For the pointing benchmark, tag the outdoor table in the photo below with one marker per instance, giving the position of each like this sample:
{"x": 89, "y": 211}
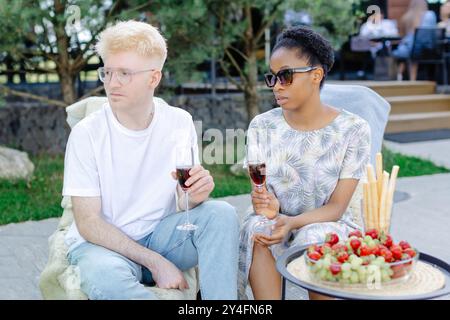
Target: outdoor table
{"x": 384, "y": 40}
{"x": 297, "y": 251}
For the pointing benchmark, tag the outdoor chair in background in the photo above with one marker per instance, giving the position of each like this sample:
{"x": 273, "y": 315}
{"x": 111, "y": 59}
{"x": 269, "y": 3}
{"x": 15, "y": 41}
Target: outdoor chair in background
{"x": 429, "y": 48}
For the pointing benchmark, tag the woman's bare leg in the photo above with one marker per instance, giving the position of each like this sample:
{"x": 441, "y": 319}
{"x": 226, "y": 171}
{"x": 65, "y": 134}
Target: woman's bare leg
{"x": 317, "y": 296}
{"x": 400, "y": 71}
{"x": 413, "y": 68}
{"x": 264, "y": 278}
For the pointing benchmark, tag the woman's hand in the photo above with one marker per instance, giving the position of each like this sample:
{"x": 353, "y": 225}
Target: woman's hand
{"x": 265, "y": 202}
{"x": 279, "y": 232}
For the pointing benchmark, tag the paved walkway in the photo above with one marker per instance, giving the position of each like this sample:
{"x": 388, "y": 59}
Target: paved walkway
{"x": 423, "y": 219}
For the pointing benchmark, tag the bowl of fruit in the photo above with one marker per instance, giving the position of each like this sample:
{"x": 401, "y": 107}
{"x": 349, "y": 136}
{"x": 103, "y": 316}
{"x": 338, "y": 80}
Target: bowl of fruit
{"x": 368, "y": 258}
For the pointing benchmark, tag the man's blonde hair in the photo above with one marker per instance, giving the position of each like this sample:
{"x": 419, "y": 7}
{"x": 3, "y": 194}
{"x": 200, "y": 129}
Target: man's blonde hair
{"x": 139, "y": 37}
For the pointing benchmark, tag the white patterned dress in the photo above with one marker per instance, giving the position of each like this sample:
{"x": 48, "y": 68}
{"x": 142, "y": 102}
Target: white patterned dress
{"x": 303, "y": 169}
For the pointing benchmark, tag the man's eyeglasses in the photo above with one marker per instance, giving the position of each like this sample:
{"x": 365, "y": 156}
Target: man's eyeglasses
{"x": 285, "y": 76}
{"x": 122, "y": 75}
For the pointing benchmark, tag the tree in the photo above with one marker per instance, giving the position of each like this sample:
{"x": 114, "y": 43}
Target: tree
{"x": 228, "y": 30}
{"x": 59, "y": 31}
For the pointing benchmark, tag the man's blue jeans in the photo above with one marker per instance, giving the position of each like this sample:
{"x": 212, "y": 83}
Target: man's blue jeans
{"x": 106, "y": 274}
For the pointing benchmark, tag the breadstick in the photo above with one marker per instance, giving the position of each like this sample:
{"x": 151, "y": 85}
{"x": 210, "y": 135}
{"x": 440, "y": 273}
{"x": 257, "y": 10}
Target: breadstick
{"x": 390, "y": 196}
{"x": 379, "y": 170}
{"x": 373, "y": 194}
{"x": 366, "y": 205}
{"x": 384, "y": 192}
{"x": 375, "y": 204}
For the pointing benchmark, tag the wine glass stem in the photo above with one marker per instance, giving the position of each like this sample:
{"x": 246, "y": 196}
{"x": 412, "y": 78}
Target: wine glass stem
{"x": 186, "y": 195}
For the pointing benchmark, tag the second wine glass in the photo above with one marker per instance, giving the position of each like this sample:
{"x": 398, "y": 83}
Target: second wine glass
{"x": 256, "y": 163}
{"x": 184, "y": 163}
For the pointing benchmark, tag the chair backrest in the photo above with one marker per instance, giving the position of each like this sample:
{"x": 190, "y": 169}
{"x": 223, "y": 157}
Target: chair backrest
{"x": 363, "y": 102}
{"x": 79, "y": 110}
{"x": 359, "y": 44}
{"x": 428, "y": 44}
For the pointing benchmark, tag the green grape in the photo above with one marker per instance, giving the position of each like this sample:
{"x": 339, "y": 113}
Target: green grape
{"x": 367, "y": 239}
{"x": 319, "y": 264}
{"x": 363, "y": 274}
{"x": 356, "y": 262}
{"x": 381, "y": 260}
{"x": 322, "y": 274}
{"x": 371, "y": 243}
{"x": 354, "y": 278}
{"x": 346, "y": 274}
{"x": 349, "y": 247}
{"x": 346, "y": 266}
{"x": 377, "y": 262}
{"x": 385, "y": 276}
{"x": 329, "y": 276}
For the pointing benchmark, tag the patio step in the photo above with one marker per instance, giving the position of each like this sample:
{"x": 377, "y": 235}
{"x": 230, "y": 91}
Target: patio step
{"x": 418, "y": 121}
{"x": 396, "y": 88}
{"x": 419, "y": 103}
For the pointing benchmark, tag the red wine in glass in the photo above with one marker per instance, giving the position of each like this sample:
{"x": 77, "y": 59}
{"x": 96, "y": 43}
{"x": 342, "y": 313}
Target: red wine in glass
{"x": 257, "y": 173}
{"x": 182, "y": 176}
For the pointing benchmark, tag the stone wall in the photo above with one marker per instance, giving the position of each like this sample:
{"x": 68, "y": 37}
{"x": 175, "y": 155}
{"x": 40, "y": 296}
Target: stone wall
{"x": 35, "y": 128}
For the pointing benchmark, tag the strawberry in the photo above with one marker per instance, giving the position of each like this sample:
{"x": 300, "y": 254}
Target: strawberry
{"x": 373, "y": 233}
{"x": 397, "y": 252}
{"x": 387, "y": 241}
{"x": 364, "y": 250}
{"x": 342, "y": 256}
{"x": 314, "y": 248}
{"x": 335, "y": 268}
{"x": 314, "y": 255}
{"x": 332, "y": 238}
{"x": 387, "y": 255}
{"x": 377, "y": 249}
{"x": 405, "y": 256}
{"x": 380, "y": 249}
{"x": 404, "y": 245}
{"x": 355, "y": 244}
{"x": 410, "y": 251}
{"x": 355, "y": 233}
{"x": 339, "y": 248}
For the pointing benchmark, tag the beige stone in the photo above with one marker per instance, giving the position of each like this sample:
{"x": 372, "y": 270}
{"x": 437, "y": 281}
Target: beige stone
{"x": 15, "y": 164}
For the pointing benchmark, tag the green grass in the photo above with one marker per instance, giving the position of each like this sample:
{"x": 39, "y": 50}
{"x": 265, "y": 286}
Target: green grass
{"x": 410, "y": 166}
{"x": 40, "y": 198}
{"x": 227, "y": 184}
{"x": 36, "y": 199}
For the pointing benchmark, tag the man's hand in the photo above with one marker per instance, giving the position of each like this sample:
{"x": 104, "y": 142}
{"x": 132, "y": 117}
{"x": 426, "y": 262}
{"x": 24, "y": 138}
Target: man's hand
{"x": 167, "y": 275}
{"x": 200, "y": 184}
{"x": 265, "y": 202}
{"x": 280, "y": 231}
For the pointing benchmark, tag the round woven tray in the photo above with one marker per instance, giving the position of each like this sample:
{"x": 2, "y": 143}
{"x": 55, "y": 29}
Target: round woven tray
{"x": 423, "y": 279}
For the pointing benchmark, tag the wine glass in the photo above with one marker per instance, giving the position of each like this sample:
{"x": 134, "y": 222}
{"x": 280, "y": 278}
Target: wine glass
{"x": 184, "y": 161}
{"x": 256, "y": 163}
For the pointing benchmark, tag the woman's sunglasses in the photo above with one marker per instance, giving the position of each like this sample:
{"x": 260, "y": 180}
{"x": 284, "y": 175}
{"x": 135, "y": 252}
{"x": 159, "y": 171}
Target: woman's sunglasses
{"x": 285, "y": 76}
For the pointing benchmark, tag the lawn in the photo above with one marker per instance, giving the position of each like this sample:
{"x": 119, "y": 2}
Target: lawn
{"x": 40, "y": 197}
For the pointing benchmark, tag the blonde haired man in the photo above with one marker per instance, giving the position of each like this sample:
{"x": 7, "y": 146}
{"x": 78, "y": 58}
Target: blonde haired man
{"x": 119, "y": 173}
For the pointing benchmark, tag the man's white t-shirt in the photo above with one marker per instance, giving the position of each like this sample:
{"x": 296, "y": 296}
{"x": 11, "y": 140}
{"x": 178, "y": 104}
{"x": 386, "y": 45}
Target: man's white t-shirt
{"x": 130, "y": 170}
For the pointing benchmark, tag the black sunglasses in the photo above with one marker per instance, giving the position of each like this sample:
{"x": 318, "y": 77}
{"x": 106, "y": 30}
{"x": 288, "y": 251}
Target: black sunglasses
{"x": 285, "y": 76}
